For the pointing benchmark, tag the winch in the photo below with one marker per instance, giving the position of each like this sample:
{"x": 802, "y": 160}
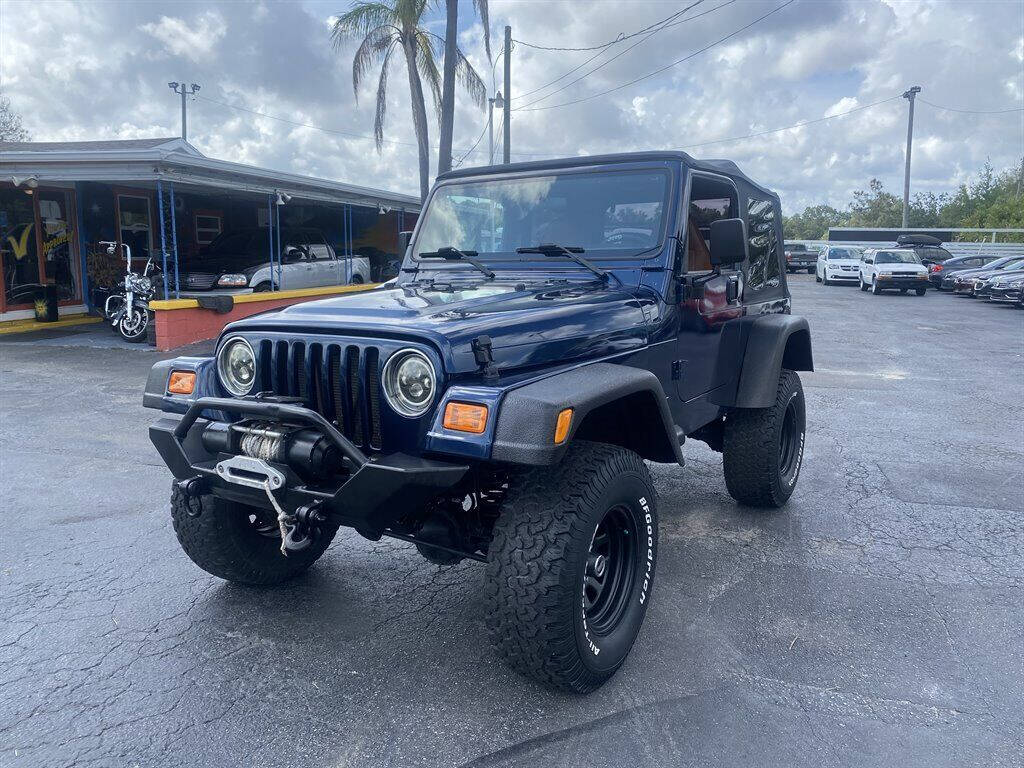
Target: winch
{"x": 304, "y": 449}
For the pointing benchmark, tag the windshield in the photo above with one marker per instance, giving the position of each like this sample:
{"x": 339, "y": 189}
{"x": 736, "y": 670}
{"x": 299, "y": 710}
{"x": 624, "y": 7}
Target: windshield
{"x": 1013, "y": 264}
{"x": 896, "y": 257}
{"x": 835, "y": 254}
{"x": 610, "y": 214}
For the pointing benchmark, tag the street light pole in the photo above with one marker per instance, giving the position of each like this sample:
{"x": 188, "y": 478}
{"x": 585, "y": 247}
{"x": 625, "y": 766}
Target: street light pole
{"x": 190, "y": 89}
{"x": 498, "y": 102}
{"x": 508, "y": 95}
{"x": 909, "y": 96}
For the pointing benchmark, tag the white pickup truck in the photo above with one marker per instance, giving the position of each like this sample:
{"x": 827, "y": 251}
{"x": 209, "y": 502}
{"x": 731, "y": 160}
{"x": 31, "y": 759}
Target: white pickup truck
{"x": 238, "y": 262}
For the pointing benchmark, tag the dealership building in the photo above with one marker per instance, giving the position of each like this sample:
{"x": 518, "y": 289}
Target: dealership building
{"x": 166, "y": 201}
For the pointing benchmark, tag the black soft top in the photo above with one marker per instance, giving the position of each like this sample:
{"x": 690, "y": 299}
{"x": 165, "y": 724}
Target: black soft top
{"x": 723, "y": 167}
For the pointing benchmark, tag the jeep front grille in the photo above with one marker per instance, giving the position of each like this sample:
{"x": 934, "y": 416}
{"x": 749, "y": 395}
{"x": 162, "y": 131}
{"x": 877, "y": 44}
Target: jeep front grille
{"x": 339, "y": 381}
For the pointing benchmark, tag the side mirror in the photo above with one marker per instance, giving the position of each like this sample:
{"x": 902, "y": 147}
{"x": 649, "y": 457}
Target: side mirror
{"x": 403, "y": 243}
{"x": 728, "y": 242}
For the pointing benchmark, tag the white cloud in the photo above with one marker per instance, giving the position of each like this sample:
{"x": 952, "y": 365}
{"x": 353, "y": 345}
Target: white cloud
{"x": 195, "y": 40}
{"x": 106, "y": 66}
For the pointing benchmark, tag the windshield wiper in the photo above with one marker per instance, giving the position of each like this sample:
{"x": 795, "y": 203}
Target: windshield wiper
{"x": 554, "y": 249}
{"x": 449, "y": 253}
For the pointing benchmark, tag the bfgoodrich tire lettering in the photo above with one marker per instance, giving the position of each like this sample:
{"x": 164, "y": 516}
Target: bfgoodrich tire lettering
{"x": 541, "y": 556}
{"x": 762, "y": 448}
{"x": 222, "y": 538}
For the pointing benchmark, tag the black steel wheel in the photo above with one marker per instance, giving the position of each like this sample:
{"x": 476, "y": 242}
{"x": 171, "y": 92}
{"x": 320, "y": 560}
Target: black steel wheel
{"x": 763, "y": 448}
{"x": 571, "y": 566}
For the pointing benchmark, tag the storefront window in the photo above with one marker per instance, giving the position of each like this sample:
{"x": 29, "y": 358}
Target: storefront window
{"x": 18, "y": 250}
{"x": 135, "y": 224}
{"x": 57, "y": 233}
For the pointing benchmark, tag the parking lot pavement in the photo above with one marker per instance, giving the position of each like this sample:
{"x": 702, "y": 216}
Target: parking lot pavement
{"x": 876, "y": 620}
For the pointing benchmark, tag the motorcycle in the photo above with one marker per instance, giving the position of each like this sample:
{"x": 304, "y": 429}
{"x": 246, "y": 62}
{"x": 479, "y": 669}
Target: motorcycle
{"x": 127, "y": 310}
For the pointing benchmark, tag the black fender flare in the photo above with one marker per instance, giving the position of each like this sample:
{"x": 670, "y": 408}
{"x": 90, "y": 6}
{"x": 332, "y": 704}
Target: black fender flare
{"x": 756, "y": 349}
{"x": 601, "y": 395}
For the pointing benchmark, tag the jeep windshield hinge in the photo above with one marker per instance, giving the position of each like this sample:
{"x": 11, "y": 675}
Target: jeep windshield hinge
{"x": 484, "y": 356}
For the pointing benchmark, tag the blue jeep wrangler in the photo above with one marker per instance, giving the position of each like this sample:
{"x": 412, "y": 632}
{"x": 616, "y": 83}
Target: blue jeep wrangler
{"x": 554, "y": 325}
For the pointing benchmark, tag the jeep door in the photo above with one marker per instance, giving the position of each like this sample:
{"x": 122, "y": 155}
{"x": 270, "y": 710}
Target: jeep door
{"x": 708, "y": 197}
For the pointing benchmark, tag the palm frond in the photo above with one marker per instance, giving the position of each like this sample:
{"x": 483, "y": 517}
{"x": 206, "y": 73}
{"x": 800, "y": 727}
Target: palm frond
{"x": 481, "y": 9}
{"x": 377, "y": 41}
{"x": 360, "y": 19}
{"x": 382, "y": 96}
{"x": 426, "y": 63}
{"x": 470, "y": 80}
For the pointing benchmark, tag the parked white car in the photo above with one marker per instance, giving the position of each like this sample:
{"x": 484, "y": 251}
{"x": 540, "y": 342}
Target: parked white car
{"x": 838, "y": 264}
{"x": 884, "y": 269}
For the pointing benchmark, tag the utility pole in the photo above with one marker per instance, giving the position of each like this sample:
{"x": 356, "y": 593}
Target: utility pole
{"x": 498, "y": 102}
{"x": 190, "y": 89}
{"x": 508, "y": 94}
{"x": 909, "y": 96}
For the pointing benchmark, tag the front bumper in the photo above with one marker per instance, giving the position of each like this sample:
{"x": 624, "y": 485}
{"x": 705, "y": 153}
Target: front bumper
{"x": 370, "y": 494}
{"x": 1006, "y": 295}
{"x": 901, "y": 282}
{"x": 843, "y": 275}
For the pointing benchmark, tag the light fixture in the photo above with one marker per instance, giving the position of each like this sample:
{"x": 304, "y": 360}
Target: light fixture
{"x": 499, "y": 101}
{"x": 382, "y": 209}
{"x": 282, "y": 197}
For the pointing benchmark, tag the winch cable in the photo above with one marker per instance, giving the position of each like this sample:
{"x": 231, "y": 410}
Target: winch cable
{"x": 283, "y": 519}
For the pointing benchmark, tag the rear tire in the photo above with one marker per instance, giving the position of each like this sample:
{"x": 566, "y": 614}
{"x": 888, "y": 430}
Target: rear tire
{"x": 571, "y": 565}
{"x": 920, "y": 291}
{"x": 763, "y": 448}
{"x": 223, "y": 539}
{"x": 810, "y": 270}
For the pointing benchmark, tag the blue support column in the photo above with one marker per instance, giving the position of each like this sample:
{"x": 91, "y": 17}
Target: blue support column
{"x": 81, "y": 238}
{"x": 174, "y": 240}
{"x": 277, "y": 226}
{"x": 270, "y": 237}
{"x": 163, "y": 231}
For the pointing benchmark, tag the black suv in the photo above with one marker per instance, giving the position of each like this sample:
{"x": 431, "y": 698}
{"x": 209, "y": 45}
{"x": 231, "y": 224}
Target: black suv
{"x": 553, "y": 325}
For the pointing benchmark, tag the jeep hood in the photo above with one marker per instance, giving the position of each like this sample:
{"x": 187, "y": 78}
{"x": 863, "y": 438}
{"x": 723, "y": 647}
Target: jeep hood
{"x": 534, "y": 324}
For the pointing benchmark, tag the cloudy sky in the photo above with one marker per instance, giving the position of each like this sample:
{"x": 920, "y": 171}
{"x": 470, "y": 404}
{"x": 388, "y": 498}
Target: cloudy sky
{"x": 89, "y": 70}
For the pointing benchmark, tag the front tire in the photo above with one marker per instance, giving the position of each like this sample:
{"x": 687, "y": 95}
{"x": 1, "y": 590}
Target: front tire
{"x": 763, "y": 448}
{"x": 571, "y": 566}
{"x": 863, "y": 285}
{"x": 810, "y": 270}
{"x": 133, "y": 326}
{"x": 875, "y": 290}
{"x": 237, "y": 542}
{"x": 920, "y": 291}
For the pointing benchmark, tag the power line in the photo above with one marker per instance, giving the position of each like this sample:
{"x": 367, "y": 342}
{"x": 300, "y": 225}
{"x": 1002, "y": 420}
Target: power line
{"x": 619, "y": 55}
{"x": 605, "y": 50}
{"x": 618, "y": 39}
{"x": 973, "y": 111}
{"x": 661, "y": 69}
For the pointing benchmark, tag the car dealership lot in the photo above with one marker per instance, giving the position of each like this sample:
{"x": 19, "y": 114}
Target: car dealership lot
{"x": 876, "y": 619}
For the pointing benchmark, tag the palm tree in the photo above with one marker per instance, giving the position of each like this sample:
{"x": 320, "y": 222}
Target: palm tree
{"x": 452, "y": 59}
{"x": 389, "y": 25}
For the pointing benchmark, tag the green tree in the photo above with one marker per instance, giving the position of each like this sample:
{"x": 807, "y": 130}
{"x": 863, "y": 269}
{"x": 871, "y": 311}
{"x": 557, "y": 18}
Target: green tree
{"x": 11, "y": 128}
{"x": 875, "y": 207}
{"x": 813, "y": 222}
{"x": 455, "y": 63}
{"x": 385, "y": 27}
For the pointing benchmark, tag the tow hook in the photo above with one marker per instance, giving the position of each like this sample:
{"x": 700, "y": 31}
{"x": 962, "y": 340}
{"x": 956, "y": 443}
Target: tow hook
{"x": 192, "y": 488}
{"x": 303, "y": 528}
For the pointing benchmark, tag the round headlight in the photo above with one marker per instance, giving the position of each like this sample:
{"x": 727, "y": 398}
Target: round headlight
{"x": 236, "y": 365}
{"x": 409, "y": 382}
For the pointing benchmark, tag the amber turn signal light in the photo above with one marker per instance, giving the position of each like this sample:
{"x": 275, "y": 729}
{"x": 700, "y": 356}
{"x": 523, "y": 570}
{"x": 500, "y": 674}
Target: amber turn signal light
{"x": 465, "y": 417}
{"x": 182, "y": 382}
{"x": 562, "y": 425}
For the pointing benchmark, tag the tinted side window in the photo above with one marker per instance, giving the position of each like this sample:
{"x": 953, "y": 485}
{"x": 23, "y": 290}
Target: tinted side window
{"x": 318, "y": 246}
{"x": 762, "y": 244}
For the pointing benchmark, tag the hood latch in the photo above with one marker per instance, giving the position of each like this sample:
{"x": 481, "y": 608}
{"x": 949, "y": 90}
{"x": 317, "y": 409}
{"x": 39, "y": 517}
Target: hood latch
{"x": 484, "y": 357}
